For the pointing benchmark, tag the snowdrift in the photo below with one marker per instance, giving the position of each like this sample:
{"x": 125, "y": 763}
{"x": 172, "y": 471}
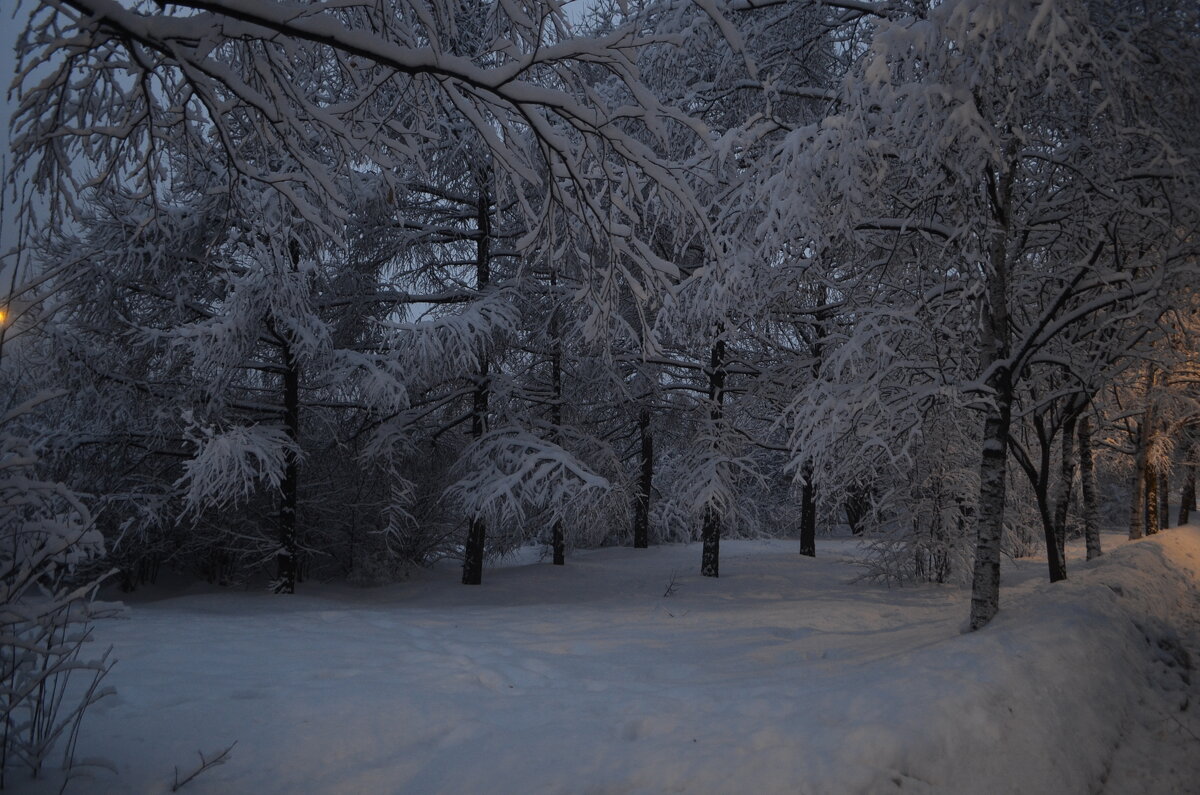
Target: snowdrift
{"x": 1034, "y": 703}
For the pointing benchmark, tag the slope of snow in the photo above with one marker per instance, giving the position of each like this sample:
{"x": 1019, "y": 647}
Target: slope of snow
{"x": 781, "y": 676}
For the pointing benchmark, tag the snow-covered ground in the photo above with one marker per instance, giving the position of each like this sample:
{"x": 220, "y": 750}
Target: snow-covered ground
{"x": 781, "y": 676}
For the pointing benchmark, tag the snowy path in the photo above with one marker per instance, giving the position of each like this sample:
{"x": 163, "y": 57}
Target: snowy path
{"x": 780, "y": 677}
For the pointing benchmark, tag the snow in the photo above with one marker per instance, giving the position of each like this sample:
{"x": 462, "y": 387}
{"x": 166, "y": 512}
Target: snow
{"x": 784, "y": 675}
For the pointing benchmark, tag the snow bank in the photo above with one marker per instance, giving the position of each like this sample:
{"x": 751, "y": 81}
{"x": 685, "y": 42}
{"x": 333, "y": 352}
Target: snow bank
{"x": 1033, "y": 703}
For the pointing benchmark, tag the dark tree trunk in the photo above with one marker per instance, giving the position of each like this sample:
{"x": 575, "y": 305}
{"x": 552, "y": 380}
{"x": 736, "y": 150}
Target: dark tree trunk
{"x": 1062, "y": 502}
{"x": 710, "y": 531}
{"x": 641, "y": 516}
{"x": 1137, "y": 489}
{"x": 1040, "y": 476}
{"x": 1188, "y": 495}
{"x": 558, "y": 539}
{"x": 287, "y": 559}
{"x": 559, "y": 543}
{"x": 856, "y": 506}
{"x": 808, "y": 512}
{"x": 964, "y": 519}
{"x": 1055, "y": 561}
{"x": 710, "y": 536}
{"x": 1137, "y": 508}
{"x": 808, "y": 492}
{"x": 477, "y": 531}
{"x": 1152, "y": 503}
{"x": 1164, "y": 491}
{"x": 473, "y": 553}
{"x": 1087, "y": 478}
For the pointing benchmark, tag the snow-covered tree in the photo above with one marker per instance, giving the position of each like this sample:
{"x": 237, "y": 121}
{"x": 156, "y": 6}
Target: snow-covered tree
{"x": 992, "y": 141}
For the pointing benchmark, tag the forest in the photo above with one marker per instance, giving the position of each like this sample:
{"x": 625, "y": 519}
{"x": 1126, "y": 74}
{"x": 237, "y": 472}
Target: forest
{"x": 301, "y": 292}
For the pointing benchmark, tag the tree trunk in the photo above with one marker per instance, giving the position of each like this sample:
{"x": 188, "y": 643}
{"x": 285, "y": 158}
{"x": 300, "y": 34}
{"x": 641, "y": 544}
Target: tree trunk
{"x": 1164, "y": 491}
{"x": 964, "y": 520}
{"x": 286, "y": 558}
{"x": 1187, "y": 497}
{"x": 710, "y": 532}
{"x": 1062, "y": 501}
{"x": 995, "y": 348}
{"x": 1152, "y": 501}
{"x": 559, "y": 543}
{"x": 558, "y": 540}
{"x": 641, "y": 517}
{"x": 1137, "y": 508}
{"x": 1055, "y": 559}
{"x": 856, "y": 505}
{"x": 710, "y": 537}
{"x": 1087, "y": 477}
{"x": 477, "y": 531}
{"x": 808, "y": 492}
{"x": 808, "y": 512}
{"x": 473, "y": 553}
{"x": 993, "y": 476}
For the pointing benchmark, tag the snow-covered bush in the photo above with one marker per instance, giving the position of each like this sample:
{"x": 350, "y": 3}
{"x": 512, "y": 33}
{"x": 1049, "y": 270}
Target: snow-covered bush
{"x": 48, "y": 548}
{"x": 929, "y": 533}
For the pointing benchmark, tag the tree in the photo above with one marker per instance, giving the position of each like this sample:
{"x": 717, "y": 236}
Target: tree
{"x": 309, "y": 106}
{"x": 324, "y": 86}
{"x": 1030, "y": 195}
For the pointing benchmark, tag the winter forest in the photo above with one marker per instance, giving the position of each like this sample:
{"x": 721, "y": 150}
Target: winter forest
{"x": 755, "y": 313}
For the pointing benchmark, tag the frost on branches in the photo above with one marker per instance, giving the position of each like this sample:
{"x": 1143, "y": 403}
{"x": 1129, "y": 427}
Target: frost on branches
{"x": 409, "y": 280}
{"x": 49, "y": 549}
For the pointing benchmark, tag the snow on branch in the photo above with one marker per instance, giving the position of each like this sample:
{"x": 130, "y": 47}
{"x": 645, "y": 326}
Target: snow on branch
{"x": 230, "y": 464}
{"x": 339, "y": 88}
{"x": 455, "y": 341}
{"x": 510, "y": 470}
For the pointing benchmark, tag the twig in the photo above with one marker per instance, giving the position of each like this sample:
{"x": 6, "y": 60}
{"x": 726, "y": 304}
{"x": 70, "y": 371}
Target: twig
{"x": 672, "y": 585}
{"x": 1181, "y": 724}
{"x": 205, "y": 764}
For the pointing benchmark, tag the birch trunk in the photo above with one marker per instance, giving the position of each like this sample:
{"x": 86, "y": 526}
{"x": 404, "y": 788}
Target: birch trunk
{"x": 995, "y": 348}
